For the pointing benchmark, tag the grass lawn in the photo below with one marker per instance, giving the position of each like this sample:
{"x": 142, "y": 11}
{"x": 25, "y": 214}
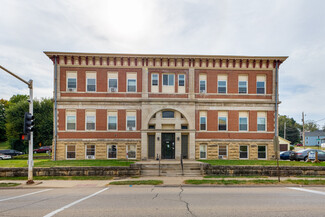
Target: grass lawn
{"x": 254, "y": 182}
{"x": 8, "y": 184}
{"x": 59, "y": 178}
{"x": 4, "y": 145}
{"x": 259, "y": 163}
{"x": 65, "y": 163}
{"x": 138, "y": 182}
{"x": 221, "y": 177}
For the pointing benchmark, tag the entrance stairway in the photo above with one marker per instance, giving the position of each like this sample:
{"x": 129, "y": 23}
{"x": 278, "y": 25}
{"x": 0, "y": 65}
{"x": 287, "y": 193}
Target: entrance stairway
{"x": 171, "y": 168}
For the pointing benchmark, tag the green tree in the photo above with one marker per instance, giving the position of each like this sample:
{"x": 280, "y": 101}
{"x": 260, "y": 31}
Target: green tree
{"x": 3, "y": 107}
{"x": 292, "y": 129}
{"x": 311, "y": 126}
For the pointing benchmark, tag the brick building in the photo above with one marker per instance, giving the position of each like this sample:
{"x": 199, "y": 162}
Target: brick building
{"x": 136, "y": 106}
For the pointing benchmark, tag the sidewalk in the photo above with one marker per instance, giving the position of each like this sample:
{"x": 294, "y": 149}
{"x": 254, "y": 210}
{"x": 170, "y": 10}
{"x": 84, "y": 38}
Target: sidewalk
{"x": 167, "y": 181}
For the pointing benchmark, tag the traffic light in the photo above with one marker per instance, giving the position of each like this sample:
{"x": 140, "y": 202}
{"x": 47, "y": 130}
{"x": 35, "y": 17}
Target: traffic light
{"x": 28, "y": 123}
{"x": 24, "y": 137}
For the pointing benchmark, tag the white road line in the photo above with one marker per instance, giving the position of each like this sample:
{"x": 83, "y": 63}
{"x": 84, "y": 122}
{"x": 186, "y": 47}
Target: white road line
{"x": 24, "y": 195}
{"x": 307, "y": 190}
{"x": 74, "y": 203}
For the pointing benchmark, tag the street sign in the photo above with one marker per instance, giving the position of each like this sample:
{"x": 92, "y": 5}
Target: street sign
{"x": 312, "y": 155}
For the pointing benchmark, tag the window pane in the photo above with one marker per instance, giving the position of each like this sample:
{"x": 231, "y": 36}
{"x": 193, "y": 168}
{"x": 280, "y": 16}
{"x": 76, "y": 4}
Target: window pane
{"x": 131, "y": 85}
{"x": 260, "y": 124}
{"x": 222, "y": 87}
{"x": 131, "y": 151}
{"x": 171, "y": 80}
{"x": 223, "y": 150}
{"x": 243, "y": 151}
{"x": 71, "y": 122}
{"x": 155, "y": 79}
{"x": 72, "y": 83}
{"x": 203, "y": 149}
{"x": 202, "y": 86}
{"x": 112, "y": 122}
{"x": 243, "y": 123}
{"x": 181, "y": 80}
{"x": 168, "y": 114}
{"x": 262, "y": 152}
{"x": 165, "y": 79}
{"x": 260, "y": 87}
{"x": 242, "y": 87}
{"x": 112, "y": 150}
{"x": 91, "y": 84}
{"x": 222, "y": 123}
{"x": 112, "y": 82}
{"x": 90, "y": 150}
{"x": 71, "y": 151}
{"x": 90, "y": 122}
{"x": 131, "y": 123}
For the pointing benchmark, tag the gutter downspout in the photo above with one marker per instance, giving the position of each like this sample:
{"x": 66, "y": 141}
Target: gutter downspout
{"x": 276, "y": 119}
{"x": 55, "y": 106}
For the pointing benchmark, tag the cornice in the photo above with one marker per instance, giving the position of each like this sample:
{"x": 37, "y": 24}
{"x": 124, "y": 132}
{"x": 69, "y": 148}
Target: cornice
{"x": 164, "y": 60}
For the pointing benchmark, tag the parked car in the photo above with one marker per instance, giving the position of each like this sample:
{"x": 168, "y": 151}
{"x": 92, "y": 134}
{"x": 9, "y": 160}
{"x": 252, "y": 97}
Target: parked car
{"x": 303, "y": 155}
{"x": 285, "y": 155}
{"x": 299, "y": 145}
{"x": 4, "y": 157}
{"x": 44, "y": 149}
{"x": 11, "y": 152}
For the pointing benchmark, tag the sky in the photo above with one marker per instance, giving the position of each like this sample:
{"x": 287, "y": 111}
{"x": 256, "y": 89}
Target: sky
{"x": 294, "y": 28}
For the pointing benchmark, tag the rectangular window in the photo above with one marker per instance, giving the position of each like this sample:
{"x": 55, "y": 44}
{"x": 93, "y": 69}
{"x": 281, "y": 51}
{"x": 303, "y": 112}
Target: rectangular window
{"x": 112, "y": 121}
{"x": 243, "y": 124}
{"x": 168, "y": 79}
{"x": 70, "y": 120}
{"x": 202, "y": 123}
{"x": 223, "y": 152}
{"x": 91, "y": 82}
{"x": 90, "y": 120}
{"x": 111, "y": 151}
{"x": 222, "y": 86}
{"x": 151, "y": 127}
{"x": 131, "y": 121}
{"x": 203, "y": 151}
{"x": 72, "y": 81}
{"x": 184, "y": 127}
{"x": 242, "y": 86}
{"x": 181, "y": 80}
{"x": 260, "y": 84}
{"x": 71, "y": 152}
{"x": 131, "y": 151}
{"x": 261, "y": 121}
{"x": 202, "y": 86}
{"x": 132, "y": 87}
{"x": 112, "y": 85}
{"x": 261, "y": 152}
{"x": 154, "y": 79}
{"x": 168, "y": 114}
{"x": 90, "y": 151}
{"x": 243, "y": 152}
{"x": 222, "y": 123}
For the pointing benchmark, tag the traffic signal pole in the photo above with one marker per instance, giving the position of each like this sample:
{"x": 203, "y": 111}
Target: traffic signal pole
{"x": 30, "y": 150}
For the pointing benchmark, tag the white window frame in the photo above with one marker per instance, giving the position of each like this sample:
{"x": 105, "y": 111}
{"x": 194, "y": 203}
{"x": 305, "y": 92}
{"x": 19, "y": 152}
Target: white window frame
{"x": 247, "y": 153}
{"x": 222, "y": 155}
{"x": 108, "y": 121}
{"x": 226, "y": 123}
{"x": 108, "y": 150}
{"x": 72, "y": 75}
{"x": 86, "y": 121}
{"x": 226, "y": 87}
{"x": 206, "y": 151}
{"x": 135, "y": 127}
{"x": 153, "y": 79}
{"x": 205, "y": 86}
{"x": 205, "y": 123}
{"x": 180, "y": 79}
{"x": 90, "y": 91}
{"x": 127, "y": 85}
{"x": 109, "y": 88}
{"x": 66, "y": 152}
{"x": 127, "y": 151}
{"x": 246, "y": 124}
{"x": 265, "y": 153}
{"x": 168, "y": 74}
{"x": 66, "y": 121}
{"x": 246, "y": 87}
{"x": 90, "y": 155}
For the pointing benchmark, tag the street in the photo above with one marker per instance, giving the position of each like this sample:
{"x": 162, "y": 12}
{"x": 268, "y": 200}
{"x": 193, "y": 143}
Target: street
{"x": 163, "y": 201}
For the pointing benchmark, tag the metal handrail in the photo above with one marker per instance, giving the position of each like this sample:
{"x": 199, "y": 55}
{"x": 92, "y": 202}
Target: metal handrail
{"x": 159, "y": 164}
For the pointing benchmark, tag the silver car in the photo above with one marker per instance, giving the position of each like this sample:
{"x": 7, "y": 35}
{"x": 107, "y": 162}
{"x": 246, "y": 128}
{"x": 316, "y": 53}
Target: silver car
{"x": 4, "y": 157}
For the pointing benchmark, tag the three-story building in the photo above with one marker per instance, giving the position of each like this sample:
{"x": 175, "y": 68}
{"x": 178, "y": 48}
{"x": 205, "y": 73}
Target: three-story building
{"x": 137, "y": 106}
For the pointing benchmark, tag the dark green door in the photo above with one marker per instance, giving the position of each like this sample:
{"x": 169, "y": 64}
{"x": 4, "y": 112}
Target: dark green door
{"x": 168, "y": 145}
{"x": 151, "y": 146}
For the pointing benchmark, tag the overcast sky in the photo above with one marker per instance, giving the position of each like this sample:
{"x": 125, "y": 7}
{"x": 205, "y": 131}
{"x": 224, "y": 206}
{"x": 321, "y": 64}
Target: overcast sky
{"x": 280, "y": 28}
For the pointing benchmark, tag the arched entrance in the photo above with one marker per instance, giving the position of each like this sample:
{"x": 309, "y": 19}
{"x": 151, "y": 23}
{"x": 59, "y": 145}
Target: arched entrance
{"x": 168, "y": 135}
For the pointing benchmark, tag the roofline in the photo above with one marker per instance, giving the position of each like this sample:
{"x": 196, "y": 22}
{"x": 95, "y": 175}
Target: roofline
{"x": 55, "y": 53}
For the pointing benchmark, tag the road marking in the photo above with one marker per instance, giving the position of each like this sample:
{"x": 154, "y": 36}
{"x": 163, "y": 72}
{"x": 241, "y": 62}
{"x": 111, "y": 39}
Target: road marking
{"x": 307, "y": 190}
{"x": 24, "y": 195}
{"x": 74, "y": 203}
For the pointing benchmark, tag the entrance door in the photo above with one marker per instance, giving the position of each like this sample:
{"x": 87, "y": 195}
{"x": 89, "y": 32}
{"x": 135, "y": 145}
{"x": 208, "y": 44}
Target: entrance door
{"x": 168, "y": 145}
{"x": 185, "y": 146}
{"x": 151, "y": 146}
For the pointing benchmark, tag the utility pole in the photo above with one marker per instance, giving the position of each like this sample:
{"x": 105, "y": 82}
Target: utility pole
{"x": 30, "y": 150}
{"x": 303, "y": 129}
{"x": 276, "y": 132}
{"x": 285, "y": 130}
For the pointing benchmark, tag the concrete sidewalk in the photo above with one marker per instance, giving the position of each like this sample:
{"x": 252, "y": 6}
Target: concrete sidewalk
{"x": 167, "y": 181}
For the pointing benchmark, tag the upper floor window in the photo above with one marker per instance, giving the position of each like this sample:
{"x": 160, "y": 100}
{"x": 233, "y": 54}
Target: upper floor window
{"x": 132, "y": 82}
{"x": 260, "y": 84}
{"x": 181, "y": 80}
{"x": 130, "y": 121}
{"x": 168, "y": 79}
{"x": 202, "y": 82}
{"x": 222, "y": 121}
{"x": 91, "y": 82}
{"x": 90, "y": 120}
{"x": 168, "y": 114}
{"x": 222, "y": 83}
{"x": 154, "y": 79}
{"x": 242, "y": 84}
{"x": 72, "y": 81}
{"x": 203, "y": 123}
{"x": 112, "y": 82}
{"x": 112, "y": 120}
{"x": 71, "y": 120}
{"x": 261, "y": 121}
{"x": 243, "y": 121}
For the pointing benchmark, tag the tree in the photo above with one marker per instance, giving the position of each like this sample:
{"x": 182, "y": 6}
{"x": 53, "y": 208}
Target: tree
{"x": 3, "y": 107}
{"x": 311, "y": 126}
{"x": 292, "y": 129}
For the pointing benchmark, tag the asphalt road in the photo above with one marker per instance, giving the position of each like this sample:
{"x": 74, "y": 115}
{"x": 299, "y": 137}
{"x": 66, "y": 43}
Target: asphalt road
{"x": 163, "y": 201}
